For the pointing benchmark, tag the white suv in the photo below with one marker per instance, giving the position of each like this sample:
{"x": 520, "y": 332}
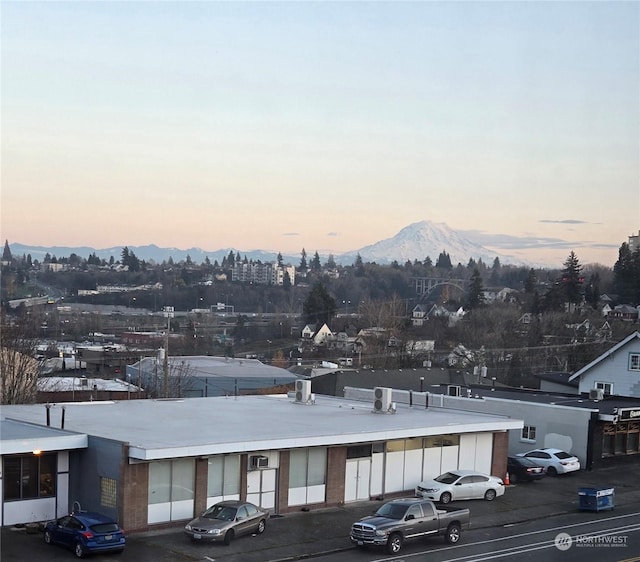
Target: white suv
{"x": 556, "y": 461}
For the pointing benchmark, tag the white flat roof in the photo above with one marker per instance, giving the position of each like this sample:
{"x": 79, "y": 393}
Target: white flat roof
{"x": 20, "y": 437}
{"x": 160, "y": 429}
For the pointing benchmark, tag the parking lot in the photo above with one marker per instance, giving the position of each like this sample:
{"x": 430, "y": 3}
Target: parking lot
{"x": 304, "y": 534}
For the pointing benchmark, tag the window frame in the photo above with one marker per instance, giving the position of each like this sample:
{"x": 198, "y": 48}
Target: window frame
{"x": 606, "y": 387}
{"x": 32, "y": 488}
{"x": 528, "y": 433}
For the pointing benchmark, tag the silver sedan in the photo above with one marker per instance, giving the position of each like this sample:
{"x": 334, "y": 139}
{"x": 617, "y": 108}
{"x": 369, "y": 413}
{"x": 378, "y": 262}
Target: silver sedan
{"x": 226, "y": 520}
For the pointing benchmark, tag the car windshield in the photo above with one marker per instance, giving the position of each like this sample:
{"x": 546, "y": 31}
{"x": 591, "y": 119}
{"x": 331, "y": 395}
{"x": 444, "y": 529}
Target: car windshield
{"x": 563, "y": 455}
{"x": 222, "y": 512}
{"x": 447, "y": 478}
{"x": 392, "y": 511}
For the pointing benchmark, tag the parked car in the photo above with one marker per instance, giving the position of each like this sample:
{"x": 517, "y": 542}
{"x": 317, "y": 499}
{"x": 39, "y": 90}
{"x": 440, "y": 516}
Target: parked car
{"x": 523, "y": 469}
{"x": 85, "y": 532}
{"x": 555, "y": 461}
{"x": 461, "y": 485}
{"x": 226, "y": 520}
{"x": 402, "y": 519}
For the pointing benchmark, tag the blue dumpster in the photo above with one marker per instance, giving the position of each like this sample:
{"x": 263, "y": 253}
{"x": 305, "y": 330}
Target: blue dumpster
{"x": 597, "y": 498}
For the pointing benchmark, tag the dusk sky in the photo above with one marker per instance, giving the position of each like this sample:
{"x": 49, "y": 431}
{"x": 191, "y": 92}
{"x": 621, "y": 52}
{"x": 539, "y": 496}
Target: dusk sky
{"x": 321, "y": 125}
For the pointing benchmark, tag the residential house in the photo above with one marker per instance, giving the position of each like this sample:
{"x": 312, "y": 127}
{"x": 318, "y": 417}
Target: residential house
{"x": 625, "y": 312}
{"x": 615, "y": 372}
{"x": 419, "y": 315}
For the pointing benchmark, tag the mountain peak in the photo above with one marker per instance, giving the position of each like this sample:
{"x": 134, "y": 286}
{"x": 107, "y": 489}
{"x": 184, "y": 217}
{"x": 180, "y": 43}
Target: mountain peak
{"x": 424, "y": 239}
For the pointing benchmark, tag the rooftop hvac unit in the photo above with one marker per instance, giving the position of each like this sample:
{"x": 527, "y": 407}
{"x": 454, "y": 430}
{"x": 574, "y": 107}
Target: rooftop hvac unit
{"x": 596, "y": 394}
{"x": 303, "y": 391}
{"x": 259, "y": 461}
{"x": 453, "y": 390}
{"x": 381, "y": 399}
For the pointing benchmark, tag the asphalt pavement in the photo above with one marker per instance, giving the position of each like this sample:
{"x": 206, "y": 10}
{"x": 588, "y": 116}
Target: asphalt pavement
{"x": 305, "y": 534}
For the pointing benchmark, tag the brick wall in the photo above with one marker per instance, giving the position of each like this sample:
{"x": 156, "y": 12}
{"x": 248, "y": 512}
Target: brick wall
{"x": 133, "y": 494}
{"x": 336, "y": 468}
{"x": 500, "y": 453}
{"x": 283, "y": 483}
{"x": 201, "y": 485}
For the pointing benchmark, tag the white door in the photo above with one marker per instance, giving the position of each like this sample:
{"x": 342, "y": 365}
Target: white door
{"x": 261, "y": 488}
{"x": 357, "y": 479}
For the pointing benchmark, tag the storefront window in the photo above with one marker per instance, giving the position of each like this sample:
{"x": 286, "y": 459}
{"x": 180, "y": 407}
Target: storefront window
{"x": 29, "y": 476}
{"x": 224, "y": 476}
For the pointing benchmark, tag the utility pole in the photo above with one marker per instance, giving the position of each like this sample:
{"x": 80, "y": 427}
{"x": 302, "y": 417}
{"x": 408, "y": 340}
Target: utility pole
{"x": 168, "y": 311}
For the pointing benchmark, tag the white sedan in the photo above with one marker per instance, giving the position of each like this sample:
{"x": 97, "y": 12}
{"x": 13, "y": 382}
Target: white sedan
{"x": 461, "y": 485}
{"x": 556, "y": 461}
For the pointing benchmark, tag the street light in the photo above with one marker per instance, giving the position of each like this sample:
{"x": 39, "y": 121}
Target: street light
{"x": 346, "y": 304}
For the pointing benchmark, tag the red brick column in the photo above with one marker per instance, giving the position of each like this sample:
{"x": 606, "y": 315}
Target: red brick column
{"x": 133, "y": 494}
{"x": 336, "y": 470}
{"x": 500, "y": 453}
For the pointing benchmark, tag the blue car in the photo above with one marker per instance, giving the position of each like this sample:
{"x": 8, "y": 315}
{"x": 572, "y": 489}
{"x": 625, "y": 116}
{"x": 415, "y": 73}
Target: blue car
{"x": 85, "y": 532}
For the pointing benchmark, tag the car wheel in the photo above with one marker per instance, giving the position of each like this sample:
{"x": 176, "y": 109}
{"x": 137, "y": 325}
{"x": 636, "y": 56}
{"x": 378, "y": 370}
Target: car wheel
{"x": 452, "y": 536}
{"x": 394, "y": 544}
{"x": 551, "y": 471}
{"x": 513, "y": 478}
{"x": 79, "y": 550}
{"x": 228, "y": 537}
{"x": 48, "y": 538}
{"x": 490, "y": 495}
{"x": 261, "y": 526}
{"x": 445, "y": 497}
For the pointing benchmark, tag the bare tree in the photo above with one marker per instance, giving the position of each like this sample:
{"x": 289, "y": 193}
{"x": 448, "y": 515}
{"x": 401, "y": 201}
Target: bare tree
{"x": 179, "y": 379}
{"x": 383, "y": 320}
{"x": 19, "y": 367}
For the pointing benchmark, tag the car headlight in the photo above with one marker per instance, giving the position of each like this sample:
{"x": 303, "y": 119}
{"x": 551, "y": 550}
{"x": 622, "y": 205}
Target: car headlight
{"x": 381, "y": 533}
{"x": 187, "y": 527}
{"x": 214, "y": 531}
{"x": 431, "y": 490}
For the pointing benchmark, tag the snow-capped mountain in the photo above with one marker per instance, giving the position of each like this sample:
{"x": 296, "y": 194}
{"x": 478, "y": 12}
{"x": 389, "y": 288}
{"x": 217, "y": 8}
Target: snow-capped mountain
{"x": 415, "y": 242}
{"x": 426, "y": 239}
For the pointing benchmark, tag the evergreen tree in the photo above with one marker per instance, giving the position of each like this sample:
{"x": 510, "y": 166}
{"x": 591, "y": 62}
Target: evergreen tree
{"x": 303, "y": 261}
{"x": 626, "y": 275}
{"x": 280, "y": 261}
{"x": 530, "y": 282}
{"x": 6, "y": 253}
{"x": 572, "y": 279}
{"x": 316, "y": 266}
{"x": 444, "y": 261}
{"x": 319, "y": 307}
{"x": 475, "y": 297}
{"x": 130, "y": 260}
